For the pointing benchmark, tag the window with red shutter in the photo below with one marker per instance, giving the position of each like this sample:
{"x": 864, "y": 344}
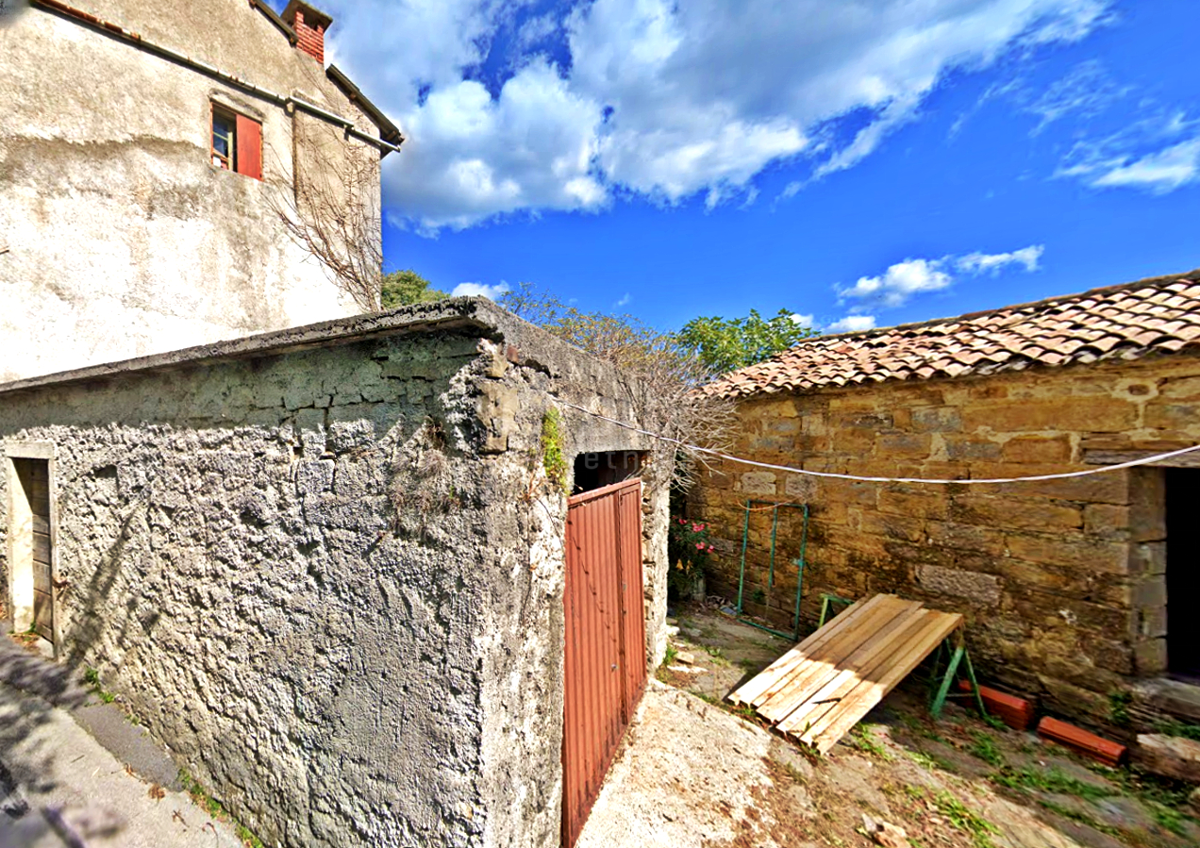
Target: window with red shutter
{"x": 236, "y": 143}
{"x": 249, "y": 147}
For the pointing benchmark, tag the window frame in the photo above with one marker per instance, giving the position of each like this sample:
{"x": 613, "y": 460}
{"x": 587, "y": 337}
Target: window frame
{"x": 216, "y": 159}
{"x": 244, "y": 131}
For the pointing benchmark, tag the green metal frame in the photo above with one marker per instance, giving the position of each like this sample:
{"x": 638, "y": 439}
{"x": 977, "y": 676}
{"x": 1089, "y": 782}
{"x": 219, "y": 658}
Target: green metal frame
{"x": 799, "y": 563}
{"x": 940, "y": 692}
{"x": 827, "y": 602}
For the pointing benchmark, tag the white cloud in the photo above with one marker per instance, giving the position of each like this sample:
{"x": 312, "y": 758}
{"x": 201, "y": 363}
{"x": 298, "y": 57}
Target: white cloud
{"x": 852, "y": 324}
{"x": 1158, "y": 153}
{"x": 900, "y": 282}
{"x": 660, "y": 98}
{"x": 480, "y": 290}
{"x": 1159, "y": 172}
{"x": 803, "y": 320}
{"x": 624, "y": 301}
{"x": 979, "y": 263}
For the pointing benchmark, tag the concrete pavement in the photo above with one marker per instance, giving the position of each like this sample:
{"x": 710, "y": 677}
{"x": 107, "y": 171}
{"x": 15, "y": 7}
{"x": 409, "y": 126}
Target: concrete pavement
{"x": 59, "y": 786}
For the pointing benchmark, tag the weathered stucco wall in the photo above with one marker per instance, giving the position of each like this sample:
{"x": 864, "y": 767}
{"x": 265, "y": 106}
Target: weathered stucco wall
{"x": 1062, "y": 581}
{"x": 122, "y": 238}
{"x": 330, "y": 579}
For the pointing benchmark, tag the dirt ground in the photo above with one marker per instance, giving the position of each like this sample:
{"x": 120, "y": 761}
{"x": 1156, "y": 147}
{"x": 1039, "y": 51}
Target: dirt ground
{"x": 694, "y": 772}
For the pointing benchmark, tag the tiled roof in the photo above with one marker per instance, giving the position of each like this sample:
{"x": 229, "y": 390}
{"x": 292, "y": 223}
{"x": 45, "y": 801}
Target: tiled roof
{"x": 1160, "y": 315}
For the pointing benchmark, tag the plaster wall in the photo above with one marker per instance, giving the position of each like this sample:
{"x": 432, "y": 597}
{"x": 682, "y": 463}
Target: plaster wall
{"x": 1062, "y": 582}
{"x": 118, "y": 237}
{"x": 330, "y": 579}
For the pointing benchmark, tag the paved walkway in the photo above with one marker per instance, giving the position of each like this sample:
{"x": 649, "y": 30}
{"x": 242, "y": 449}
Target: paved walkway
{"x": 59, "y": 785}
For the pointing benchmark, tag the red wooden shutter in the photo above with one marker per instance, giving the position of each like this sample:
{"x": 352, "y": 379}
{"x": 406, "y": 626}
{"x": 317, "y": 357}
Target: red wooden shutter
{"x": 249, "y": 147}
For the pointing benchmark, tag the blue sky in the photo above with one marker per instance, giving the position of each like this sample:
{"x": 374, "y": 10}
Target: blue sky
{"x": 857, "y": 163}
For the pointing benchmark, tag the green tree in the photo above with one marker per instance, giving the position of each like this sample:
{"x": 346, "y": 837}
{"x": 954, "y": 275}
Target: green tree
{"x": 402, "y": 288}
{"x": 727, "y": 344}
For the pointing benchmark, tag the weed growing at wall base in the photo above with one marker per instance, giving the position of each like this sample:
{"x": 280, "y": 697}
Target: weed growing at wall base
{"x": 216, "y": 810}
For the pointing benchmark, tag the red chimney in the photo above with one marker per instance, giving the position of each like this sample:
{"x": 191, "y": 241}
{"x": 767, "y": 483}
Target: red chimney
{"x": 310, "y": 25}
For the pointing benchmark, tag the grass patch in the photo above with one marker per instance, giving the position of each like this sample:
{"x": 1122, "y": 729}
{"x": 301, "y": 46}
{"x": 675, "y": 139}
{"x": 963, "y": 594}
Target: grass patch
{"x": 926, "y": 761}
{"x": 1050, "y": 780}
{"x": 216, "y": 810}
{"x": 1168, "y": 818}
{"x": 1077, "y": 816}
{"x": 993, "y": 722}
{"x": 861, "y": 738}
{"x": 961, "y": 817}
{"x": 1179, "y": 728}
{"x": 984, "y": 747}
{"x": 92, "y": 678}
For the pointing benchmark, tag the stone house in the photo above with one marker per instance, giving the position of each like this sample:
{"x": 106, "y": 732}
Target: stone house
{"x": 1067, "y": 583}
{"x": 146, "y": 153}
{"x": 325, "y": 565}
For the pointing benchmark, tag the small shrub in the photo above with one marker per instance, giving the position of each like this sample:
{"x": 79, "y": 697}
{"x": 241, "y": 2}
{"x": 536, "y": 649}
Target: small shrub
{"x": 688, "y": 550}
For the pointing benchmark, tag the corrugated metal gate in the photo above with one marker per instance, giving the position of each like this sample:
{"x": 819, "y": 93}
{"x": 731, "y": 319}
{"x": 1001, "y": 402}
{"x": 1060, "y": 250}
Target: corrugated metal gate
{"x": 605, "y": 657}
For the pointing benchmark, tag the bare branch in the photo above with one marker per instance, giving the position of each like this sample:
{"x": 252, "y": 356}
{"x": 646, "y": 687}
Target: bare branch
{"x": 331, "y": 207}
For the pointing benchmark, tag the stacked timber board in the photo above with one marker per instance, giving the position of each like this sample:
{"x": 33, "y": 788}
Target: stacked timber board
{"x": 821, "y": 688}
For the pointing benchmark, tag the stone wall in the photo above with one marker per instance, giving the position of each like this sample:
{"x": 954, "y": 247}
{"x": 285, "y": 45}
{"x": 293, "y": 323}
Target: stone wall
{"x": 1062, "y": 582}
{"x": 326, "y": 567}
{"x": 118, "y": 237}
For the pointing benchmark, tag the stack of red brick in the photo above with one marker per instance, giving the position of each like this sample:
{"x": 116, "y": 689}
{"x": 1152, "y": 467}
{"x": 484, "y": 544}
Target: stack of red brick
{"x": 1017, "y": 713}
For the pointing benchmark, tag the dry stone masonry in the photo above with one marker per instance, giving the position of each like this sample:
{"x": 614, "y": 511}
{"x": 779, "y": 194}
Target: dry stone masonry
{"x": 1063, "y": 582}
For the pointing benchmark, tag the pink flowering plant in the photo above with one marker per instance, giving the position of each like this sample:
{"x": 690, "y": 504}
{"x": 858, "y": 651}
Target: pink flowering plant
{"x": 689, "y": 550}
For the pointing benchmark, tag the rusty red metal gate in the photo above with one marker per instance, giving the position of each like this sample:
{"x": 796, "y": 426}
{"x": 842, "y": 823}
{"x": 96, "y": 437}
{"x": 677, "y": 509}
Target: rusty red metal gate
{"x": 605, "y": 656}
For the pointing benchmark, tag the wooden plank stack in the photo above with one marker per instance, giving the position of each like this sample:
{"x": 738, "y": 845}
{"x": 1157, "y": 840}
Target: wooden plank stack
{"x": 824, "y": 686}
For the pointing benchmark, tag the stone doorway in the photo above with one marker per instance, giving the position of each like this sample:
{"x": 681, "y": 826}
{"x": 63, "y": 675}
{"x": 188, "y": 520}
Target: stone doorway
{"x": 31, "y": 524}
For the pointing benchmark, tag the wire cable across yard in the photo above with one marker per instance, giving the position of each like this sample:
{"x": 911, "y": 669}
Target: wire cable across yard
{"x": 1102, "y": 469}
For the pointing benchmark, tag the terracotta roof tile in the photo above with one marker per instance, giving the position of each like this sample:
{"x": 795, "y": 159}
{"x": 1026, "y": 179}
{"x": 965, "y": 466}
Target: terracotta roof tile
{"x": 1159, "y": 315}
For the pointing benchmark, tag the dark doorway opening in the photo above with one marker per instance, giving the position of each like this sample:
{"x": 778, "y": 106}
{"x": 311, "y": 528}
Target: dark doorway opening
{"x": 1183, "y": 572}
{"x": 597, "y": 470}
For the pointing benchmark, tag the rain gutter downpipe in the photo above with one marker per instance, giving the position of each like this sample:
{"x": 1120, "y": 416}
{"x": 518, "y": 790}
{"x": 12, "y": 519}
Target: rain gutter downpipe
{"x": 288, "y": 103}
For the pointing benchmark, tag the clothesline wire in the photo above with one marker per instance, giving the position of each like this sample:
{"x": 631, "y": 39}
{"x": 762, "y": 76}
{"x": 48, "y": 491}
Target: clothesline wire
{"x": 1101, "y": 469}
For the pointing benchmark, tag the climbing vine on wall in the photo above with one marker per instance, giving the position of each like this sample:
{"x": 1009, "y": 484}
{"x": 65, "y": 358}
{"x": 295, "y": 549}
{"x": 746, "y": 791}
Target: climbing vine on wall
{"x": 553, "y": 459}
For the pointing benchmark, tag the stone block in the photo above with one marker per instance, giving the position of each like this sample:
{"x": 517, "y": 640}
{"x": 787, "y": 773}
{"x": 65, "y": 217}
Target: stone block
{"x": 1150, "y": 591}
{"x": 1152, "y": 623}
{"x": 927, "y": 504}
{"x": 1150, "y": 656}
{"x": 758, "y": 483}
{"x": 1147, "y": 504}
{"x": 967, "y": 448}
{"x": 940, "y": 419}
{"x": 981, "y": 588}
{"x": 1178, "y": 417}
{"x": 1038, "y": 449}
{"x": 1169, "y": 756}
{"x": 1088, "y": 414}
{"x": 1148, "y": 558}
{"x": 892, "y": 526}
{"x": 964, "y": 537}
{"x": 800, "y": 487}
{"x": 1110, "y": 488}
{"x": 894, "y": 446}
{"x": 1187, "y": 388}
{"x": 1011, "y": 513}
{"x": 1106, "y": 521}
{"x": 1086, "y": 555}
